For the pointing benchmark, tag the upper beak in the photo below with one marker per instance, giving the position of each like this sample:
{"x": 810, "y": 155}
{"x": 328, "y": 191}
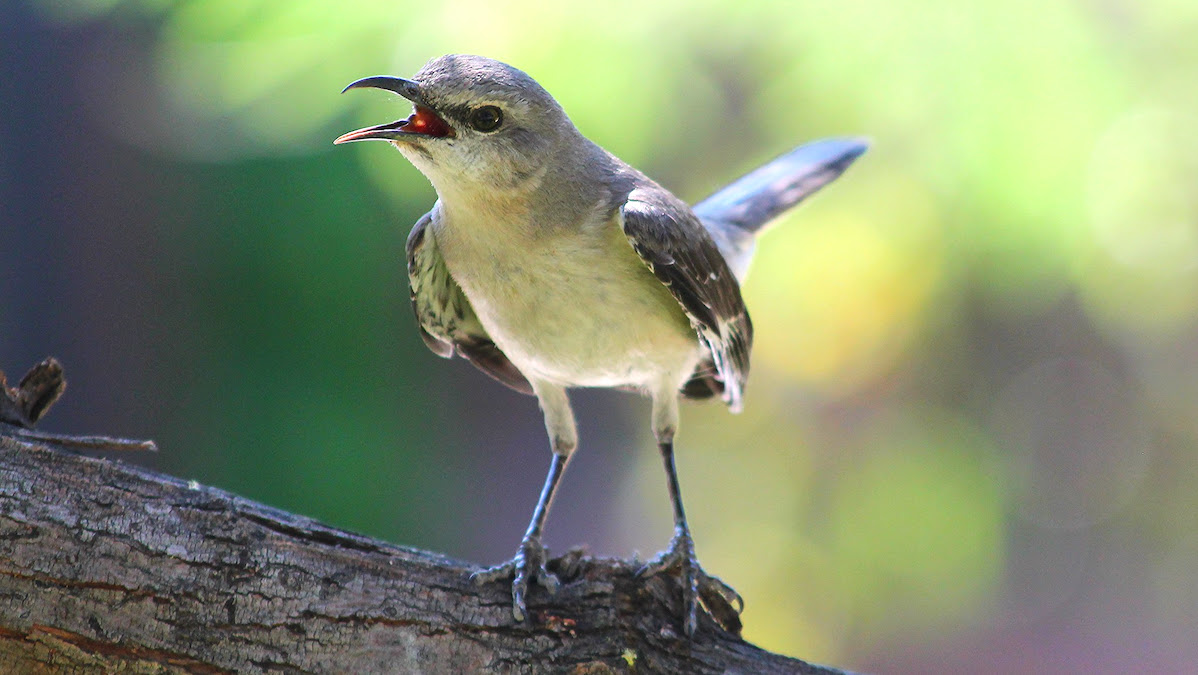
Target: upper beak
{"x": 409, "y": 89}
{"x": 423, "y": 122}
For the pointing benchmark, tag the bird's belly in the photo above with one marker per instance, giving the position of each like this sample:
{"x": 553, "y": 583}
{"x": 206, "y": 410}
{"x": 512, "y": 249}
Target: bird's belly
{"x": 596, "y": 318}
{"x": 599, "y": 341}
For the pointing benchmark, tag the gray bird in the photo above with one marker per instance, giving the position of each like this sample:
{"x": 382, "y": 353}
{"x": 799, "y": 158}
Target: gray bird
{"x": 548, "y": 263}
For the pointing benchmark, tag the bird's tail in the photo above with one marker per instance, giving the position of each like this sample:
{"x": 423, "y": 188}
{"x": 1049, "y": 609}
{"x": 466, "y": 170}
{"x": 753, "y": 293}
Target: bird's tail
{"x": 737, "y": 213}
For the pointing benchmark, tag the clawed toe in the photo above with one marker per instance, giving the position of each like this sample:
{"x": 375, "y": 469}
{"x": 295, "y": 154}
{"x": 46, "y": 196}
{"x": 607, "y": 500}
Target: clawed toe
{"x": 527, "y": 567}
{"x": 722, "y": 602}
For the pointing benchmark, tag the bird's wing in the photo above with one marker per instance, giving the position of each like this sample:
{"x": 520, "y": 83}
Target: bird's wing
{"x": 678, "y": 250}
{"x": 447, "y": 322}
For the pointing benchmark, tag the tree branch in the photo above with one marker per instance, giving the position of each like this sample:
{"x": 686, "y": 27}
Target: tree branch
{"x": 108, "y": 567}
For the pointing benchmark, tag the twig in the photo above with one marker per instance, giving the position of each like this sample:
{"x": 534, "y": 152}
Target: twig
{"x": 23, "y": 406}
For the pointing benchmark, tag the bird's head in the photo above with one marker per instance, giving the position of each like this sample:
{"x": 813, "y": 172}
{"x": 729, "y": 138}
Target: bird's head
{"x": 476, "y": 124}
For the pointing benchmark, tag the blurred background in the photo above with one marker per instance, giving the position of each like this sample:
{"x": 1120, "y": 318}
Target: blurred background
{"x": 970, "y": 441}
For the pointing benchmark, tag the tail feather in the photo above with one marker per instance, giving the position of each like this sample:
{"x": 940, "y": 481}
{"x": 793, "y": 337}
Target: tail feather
{"x": 736, "y": 213}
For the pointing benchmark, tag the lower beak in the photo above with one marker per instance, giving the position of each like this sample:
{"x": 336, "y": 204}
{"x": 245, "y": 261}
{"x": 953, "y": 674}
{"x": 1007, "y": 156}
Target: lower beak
{"x": 381, "y": 132}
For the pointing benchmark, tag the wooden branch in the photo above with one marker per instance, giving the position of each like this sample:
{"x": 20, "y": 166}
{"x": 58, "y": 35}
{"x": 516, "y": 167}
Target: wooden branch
{"x": 106, "y": 567}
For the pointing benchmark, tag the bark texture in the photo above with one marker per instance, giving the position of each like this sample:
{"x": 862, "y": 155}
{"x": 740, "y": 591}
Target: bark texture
{"x": 107, "y": 567}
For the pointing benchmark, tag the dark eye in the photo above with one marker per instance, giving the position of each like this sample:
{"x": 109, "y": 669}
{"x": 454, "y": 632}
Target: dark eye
{"x": 486, "y": 118}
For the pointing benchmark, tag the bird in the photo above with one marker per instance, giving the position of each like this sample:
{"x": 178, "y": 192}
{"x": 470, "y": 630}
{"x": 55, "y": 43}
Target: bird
{"x": 550, "y": 264}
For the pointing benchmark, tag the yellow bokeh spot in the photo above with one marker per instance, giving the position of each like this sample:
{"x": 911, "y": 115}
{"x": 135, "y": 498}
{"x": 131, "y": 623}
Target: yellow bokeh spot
{"x": 837, "y": 298}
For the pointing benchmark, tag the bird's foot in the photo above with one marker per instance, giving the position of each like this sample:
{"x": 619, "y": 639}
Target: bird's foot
{"x": 722, "y": 602}
{"x": 527, "y": 567}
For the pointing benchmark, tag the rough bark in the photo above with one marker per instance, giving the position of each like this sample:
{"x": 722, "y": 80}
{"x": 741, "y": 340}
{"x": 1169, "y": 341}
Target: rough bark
{"x": 108, "y": 567}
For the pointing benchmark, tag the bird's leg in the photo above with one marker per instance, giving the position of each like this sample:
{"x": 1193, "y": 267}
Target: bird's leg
{"x": 681, "y": 553}
{"x": 529, "y": 563}
{"x": 696, "y": 584}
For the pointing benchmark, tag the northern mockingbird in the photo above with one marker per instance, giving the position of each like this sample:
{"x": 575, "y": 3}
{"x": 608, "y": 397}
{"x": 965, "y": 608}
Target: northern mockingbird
{"x": 548, "y": 263}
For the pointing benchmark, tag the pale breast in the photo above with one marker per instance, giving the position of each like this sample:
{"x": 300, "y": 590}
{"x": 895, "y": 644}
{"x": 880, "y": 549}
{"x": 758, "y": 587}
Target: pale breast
{"x": 576, "y": 307}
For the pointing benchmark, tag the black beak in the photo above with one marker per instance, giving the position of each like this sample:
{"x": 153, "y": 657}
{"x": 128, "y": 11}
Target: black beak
{"x": 423, "y": 123}
{"x": 408, "y": 89}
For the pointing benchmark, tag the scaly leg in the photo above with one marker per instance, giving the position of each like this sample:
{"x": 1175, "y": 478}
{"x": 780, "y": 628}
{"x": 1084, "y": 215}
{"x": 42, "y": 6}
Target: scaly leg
{"x": 529, "y": 563}
{"x": 696, "y": 584}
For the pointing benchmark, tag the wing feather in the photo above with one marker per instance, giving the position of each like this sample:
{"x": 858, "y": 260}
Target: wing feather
{"x": 672, "y": 242}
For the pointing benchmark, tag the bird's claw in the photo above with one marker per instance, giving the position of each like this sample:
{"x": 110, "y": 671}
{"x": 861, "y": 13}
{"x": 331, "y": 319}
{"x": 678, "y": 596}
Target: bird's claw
{"x": 528, "y": 566}
{"x": 722, "y": 602}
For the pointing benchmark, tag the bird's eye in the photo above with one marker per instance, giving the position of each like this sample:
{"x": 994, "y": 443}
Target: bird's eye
{"x": 486, "y": 118}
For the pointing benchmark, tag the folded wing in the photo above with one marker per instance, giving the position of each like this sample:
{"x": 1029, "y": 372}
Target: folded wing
{"x": 674, "y": 245}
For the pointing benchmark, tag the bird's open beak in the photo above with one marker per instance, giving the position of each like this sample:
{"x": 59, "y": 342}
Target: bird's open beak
{"x": 423, "y": 123}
